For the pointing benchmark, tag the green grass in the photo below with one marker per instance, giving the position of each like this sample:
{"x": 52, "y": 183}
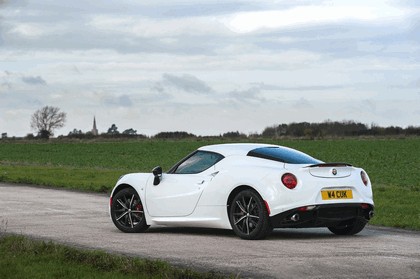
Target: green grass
{"x": 21, "y": 257}
{"x": 87, "y": 179}
{"x": 392, "y": 164}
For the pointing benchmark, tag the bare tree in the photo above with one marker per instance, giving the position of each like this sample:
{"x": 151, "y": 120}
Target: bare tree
{"x": 46, "y": 120}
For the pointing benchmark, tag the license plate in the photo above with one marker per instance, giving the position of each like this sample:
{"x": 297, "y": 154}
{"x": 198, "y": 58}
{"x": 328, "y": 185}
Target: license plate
{"x": 336, "y": 194}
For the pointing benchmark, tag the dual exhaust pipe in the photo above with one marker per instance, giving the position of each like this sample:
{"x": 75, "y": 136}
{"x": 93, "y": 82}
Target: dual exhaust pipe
{"x": 296, "y": 217}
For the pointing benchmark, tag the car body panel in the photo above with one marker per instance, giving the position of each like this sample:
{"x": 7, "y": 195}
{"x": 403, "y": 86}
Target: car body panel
{"x": 179, "y": 193}
{"x": 330, "y": 172}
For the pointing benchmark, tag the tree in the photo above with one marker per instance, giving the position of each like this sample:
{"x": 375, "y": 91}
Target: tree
{"x": 130, "y": 132}
{"x": 234, "y": 135}
{"x": 46, "y": 120}
{"x": 113, "y": 130}
{"x": 174, "y": 135}
{"x": 76, "y": 134}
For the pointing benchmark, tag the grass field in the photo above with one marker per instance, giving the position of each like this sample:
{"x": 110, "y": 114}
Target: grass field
{"x": 392, "y": 164}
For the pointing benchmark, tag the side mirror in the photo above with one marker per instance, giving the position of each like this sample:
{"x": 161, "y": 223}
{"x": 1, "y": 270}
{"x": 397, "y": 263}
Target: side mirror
{"x": 157, "y": 172}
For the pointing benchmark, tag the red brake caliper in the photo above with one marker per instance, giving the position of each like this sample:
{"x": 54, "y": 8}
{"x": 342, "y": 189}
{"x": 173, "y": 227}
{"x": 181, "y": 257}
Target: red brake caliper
{"x": 139, "y": 207}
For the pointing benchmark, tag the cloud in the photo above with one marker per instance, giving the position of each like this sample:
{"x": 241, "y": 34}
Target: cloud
{"x": 302, "y": 103}
{"x": 246, "y": 22}
{"x": 187, "y": 83}
{"x": 34, "y": 80}
{"x": 147, "y": 27}
{"x": 120, "y": 101}
{"x": 368, "y": 105}
{"x": 250, "y": 95}
{"x": 10, "y": 80}
{"x": 27, "y": 30}
{"x": 271, "y": 87}
{"x": 158, "y": 87}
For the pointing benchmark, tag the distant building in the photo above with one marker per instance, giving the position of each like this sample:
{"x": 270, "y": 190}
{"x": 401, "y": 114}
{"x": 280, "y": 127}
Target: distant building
{"x": 4, "y": 135}
{"x": 94, "y": 129}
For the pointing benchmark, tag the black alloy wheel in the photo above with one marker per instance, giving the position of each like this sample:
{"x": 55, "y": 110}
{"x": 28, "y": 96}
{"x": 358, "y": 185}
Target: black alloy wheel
{"x": 248, "y": 216}
{"x": 127, "y": 211}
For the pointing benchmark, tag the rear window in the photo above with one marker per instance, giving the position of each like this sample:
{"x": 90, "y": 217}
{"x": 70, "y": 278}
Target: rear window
{"x": 283, "y": 154}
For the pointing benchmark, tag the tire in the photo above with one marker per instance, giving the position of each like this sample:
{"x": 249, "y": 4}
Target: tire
{"x": 127, "y": 212}
{"x": 352, "y": 228}
{"x": 249, "y": 217}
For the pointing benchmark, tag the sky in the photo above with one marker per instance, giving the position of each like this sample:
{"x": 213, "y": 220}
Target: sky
{"x": 208, "y": 67}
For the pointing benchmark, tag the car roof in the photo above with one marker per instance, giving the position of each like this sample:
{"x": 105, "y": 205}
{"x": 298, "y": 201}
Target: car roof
{"x": 234, "y": 149}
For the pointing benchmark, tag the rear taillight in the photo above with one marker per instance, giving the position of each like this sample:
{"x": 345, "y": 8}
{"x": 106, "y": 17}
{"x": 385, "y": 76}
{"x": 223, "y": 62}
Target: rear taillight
{"x": 364, "y": 177}
{"x": 289, "y": 180}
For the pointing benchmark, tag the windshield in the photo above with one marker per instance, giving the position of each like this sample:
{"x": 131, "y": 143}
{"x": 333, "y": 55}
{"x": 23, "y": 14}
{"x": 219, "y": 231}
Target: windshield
{"x": 283, "y": 154}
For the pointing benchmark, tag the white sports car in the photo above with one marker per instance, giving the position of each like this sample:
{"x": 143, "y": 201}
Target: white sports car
{"x": 250, "y": 188}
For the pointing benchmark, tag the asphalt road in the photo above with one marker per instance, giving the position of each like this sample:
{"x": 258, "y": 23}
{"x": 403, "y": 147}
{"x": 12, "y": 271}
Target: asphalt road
{"x": 82, "y": 220}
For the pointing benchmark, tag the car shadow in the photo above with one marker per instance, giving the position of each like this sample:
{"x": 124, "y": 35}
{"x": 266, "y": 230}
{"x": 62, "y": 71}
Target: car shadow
{"x": 312, "y": 233}
{"x": 191, "y": 231}
{"x": 277, "y": 234}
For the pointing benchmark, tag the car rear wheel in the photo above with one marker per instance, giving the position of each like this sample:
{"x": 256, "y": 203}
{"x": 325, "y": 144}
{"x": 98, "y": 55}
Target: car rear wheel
{"x": 127, "y": 211}
{"x": 351, "y": 228}
{"x": 248, "y": 216}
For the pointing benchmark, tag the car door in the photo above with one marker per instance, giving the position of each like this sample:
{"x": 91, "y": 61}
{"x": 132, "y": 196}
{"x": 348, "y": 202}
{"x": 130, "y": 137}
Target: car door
{"x": 179, "y": 190}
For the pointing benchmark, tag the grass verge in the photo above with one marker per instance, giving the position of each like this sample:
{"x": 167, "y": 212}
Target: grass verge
{"x": 22, "y": 257}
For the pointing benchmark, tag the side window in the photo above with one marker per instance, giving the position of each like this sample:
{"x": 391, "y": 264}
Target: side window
{"x": 198, "y": 162}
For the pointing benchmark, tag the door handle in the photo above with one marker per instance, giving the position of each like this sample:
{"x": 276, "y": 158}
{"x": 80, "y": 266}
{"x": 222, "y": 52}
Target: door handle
{"x": 201, "y": 182}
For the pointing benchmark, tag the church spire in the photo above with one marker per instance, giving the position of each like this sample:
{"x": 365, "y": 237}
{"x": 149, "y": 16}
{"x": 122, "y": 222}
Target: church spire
{"x": 94, "y": 129}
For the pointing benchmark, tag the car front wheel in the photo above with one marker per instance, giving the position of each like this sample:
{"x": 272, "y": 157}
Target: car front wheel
{"x": 249, "y": 216}
{"x": 127, "y": 211}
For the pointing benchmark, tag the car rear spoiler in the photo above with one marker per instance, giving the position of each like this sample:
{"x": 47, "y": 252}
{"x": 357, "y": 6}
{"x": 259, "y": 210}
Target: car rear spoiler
{"x": 326, "y": 165}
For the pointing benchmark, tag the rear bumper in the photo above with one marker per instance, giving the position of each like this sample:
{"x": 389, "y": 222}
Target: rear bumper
{"x": 328, "y": 215}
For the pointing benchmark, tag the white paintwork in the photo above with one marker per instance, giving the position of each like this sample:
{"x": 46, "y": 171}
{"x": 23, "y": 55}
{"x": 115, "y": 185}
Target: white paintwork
{"x": 200, "y": 200}
{"x": 326, "y": 172}
{"x": 176, "y": 196}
